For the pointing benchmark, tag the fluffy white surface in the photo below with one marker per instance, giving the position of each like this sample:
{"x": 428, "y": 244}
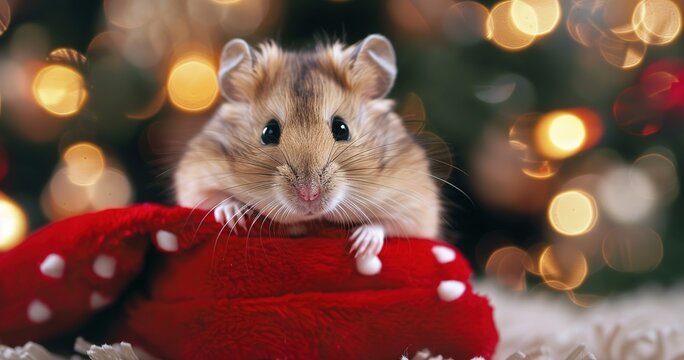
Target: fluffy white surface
{"x": 646, "y": 324}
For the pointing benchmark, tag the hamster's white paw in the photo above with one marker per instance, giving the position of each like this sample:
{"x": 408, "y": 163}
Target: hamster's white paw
{"x": 231, "y": 213}
{"x": 368, "y": 240}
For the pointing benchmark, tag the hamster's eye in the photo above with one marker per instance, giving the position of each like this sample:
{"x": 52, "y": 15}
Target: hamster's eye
{"x": 271, "y": 133}
{"x": 340, "y": 130}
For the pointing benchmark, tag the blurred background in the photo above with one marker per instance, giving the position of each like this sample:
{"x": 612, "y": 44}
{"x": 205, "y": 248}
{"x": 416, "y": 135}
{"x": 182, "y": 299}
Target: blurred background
{"x": 564, "y": 118}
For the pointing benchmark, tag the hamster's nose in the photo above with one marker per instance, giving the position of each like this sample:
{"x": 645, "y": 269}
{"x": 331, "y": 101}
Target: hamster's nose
{"x": 308, "y": 192}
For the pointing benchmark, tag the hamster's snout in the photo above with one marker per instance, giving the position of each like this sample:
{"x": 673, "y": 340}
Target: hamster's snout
{"x": 308, "y": 192}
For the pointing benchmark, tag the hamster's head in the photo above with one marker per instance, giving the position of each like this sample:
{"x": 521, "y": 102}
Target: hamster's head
{"x": 303, "y": 132}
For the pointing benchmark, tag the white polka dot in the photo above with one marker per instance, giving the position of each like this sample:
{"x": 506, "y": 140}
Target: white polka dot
{"x": 53, "y": 266}
{"x": 98, "y": 300}
{"x": 167, "y": 241}
{"x": 104, "y": 266}
{"x": 38, "y": 312}
{"x": 443, "y": 254}
{"x": 450, "y": 290}
{"x": 368, "y": 265}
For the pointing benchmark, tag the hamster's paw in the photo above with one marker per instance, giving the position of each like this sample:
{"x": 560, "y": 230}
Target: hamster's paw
{"x": 368, "y": 240}
{"x": 232, "y": 213}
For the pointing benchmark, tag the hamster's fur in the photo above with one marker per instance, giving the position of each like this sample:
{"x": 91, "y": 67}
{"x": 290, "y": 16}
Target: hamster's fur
{"x": 377, "y": 180}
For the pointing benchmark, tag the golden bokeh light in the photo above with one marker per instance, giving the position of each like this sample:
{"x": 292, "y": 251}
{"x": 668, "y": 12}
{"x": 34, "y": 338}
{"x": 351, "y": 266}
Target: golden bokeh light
{"x": 60, "y": 90}
{"x": 509, "y": 266}
{"x": 111, "y": 191}
{"x": 657, "y": 22}
{"x": 572, "y": 213}
{"x": 192, "y": 84}
{"x": 559, "y": 135}
{"x": 5, "y": 16}
{"x": 67, "y": 56}
{"x": 536, "y": 17}
{"x": 13, "y": 224}
{"x": 563, "y": 268}
{"x": 521, "y": 139}
{"x": 501, "y": 28}
{"x": 85, "y": 163}
{"x": 540, "y": 169}
{"x": 632, "y": 249}
{"x": 620, "y": 53}
{"x": 583, "y": 300}
{"x": 466, "y": 22}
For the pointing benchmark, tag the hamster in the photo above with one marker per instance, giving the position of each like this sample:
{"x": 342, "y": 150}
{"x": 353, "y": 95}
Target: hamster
{"x": 309, "y": 135}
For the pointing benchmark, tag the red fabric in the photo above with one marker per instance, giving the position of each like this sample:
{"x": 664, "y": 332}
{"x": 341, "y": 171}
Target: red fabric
{"x": 243, "y": 296}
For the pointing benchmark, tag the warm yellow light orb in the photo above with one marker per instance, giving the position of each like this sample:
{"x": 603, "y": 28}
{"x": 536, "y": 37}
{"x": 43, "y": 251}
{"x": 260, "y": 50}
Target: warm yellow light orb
{"x": 502, "y": 29}
{"x": 192, "y": 84}
{"x": 13, "y": 224}
{"x": 85, "y": 163}
{"x": 536, "y": 17}
{"x": 560, "y": 135}
{"x": 563, "y": 268}
{"x": 657, "y": 22}
{"x": 572, "y": 213}
{"x": 60, "y": 90}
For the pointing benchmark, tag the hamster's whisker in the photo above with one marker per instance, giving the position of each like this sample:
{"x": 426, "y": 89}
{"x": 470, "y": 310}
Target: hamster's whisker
{"x": 365, "y": 199}
{"x": 363, "y": 214}
{"x": 407, "y": 192}
{"x": 256, "y": 218}
{"x": 390, "y": 217}
{"x": 344, "y": 204}
{"x": 347, "y": 147}
{"x": 366, "y": 151}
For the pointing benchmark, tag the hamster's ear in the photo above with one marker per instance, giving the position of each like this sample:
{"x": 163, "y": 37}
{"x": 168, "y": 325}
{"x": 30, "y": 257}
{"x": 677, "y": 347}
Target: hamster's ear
{"x": 374, "y": 66}
{"x": 236, "y": 70}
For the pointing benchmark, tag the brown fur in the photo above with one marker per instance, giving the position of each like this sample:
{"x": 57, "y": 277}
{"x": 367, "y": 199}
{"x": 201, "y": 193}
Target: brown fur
{"x": 380, "y": 176}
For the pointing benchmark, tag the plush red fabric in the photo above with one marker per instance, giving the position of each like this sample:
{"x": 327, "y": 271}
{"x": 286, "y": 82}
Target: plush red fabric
{"x": 247, "y": 295}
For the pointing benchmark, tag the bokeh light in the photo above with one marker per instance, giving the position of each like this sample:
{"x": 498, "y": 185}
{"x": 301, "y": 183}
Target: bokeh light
{"x": 632, "y": 249}
{"x": 560, "y": 135}
{"x": 521, "y": 137}
{"x": 662, "y": 172}
{"x": 13, "y": 223}
{"x": 657, "y": 22}
{"x": 192, "y": 84}
{"x": 67, "y": 56}
{"x": 84, "y": 163}
{"x": 562, "y": 268}
{"x": 583, "y": 300}
{"x": 60, "y": 90}
{"x": 620, "y": 53}
{"x": 466, "y": 22}
{"x": 5, "y": 16}
{"x": 657, "y": 88}
{"x": 633, "y": 114}
{"x": 502, "y": 29}
{"x": 111, "y": 191}
{"x": 508, "y": 265}
{"x": 572, "y": 213}
{"x": 626, "y": 195}
{"x": 129, "y": 14}
{"x": 536, "y": 17}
